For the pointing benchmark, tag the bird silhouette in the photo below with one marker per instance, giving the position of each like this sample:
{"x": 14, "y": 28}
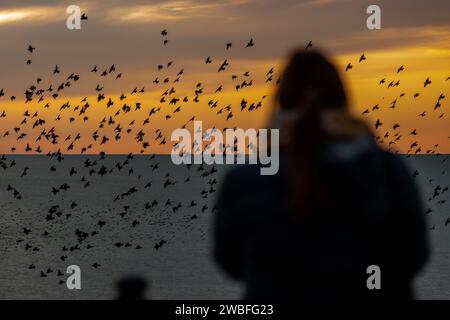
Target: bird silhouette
{"x": 349, "y": 66}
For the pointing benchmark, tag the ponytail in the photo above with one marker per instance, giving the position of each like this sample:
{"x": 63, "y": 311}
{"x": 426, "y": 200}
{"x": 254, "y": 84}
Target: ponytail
{"x": 307, "y": 187}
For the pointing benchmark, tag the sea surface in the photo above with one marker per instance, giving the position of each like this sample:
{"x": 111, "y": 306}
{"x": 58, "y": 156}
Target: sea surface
{"x": 112, "y": 211}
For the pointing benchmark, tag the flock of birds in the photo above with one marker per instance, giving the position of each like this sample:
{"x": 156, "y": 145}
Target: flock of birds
{"x": 75, "y": 221}
{"x": 39, "y": 135}
{"x": 390, "y": 136}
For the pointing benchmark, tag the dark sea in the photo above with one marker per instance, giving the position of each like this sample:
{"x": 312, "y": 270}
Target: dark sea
{"x": 112, "y": 212}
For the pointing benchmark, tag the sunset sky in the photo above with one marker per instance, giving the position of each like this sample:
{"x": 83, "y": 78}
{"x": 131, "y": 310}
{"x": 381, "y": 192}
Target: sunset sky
{"x": 415, "y": 34}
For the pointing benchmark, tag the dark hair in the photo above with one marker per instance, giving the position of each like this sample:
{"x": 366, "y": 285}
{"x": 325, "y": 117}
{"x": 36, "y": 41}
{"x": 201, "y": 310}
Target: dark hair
{"x": 308, "y": 71}
{"x": 309, "y": 85}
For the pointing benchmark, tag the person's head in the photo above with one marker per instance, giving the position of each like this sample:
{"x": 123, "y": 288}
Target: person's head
{"x": 310, "y": 78}
{"x": 313, "y": 110}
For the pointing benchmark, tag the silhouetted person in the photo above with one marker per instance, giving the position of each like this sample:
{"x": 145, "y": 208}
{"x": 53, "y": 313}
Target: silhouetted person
{"x": 338, "y": 204}
{"x": 131, "y": 288}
